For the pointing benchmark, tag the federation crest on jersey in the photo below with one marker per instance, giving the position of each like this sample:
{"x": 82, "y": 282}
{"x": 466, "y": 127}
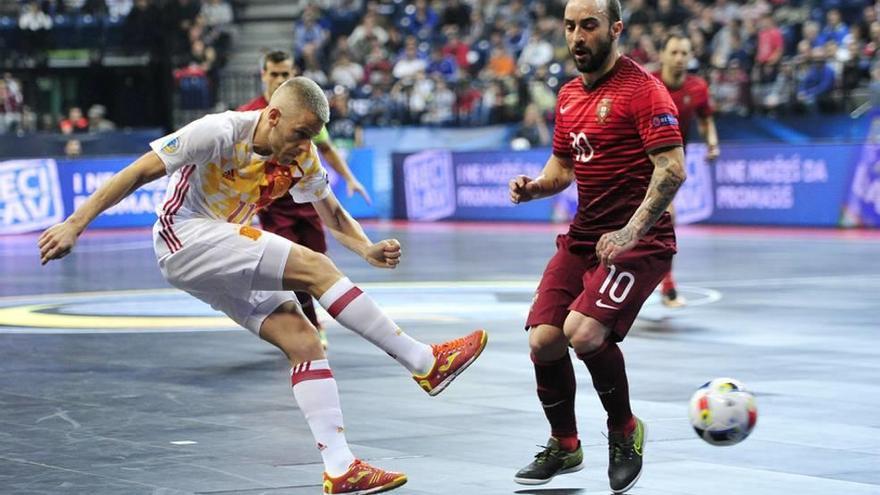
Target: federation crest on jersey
{"x": 171, "y": 146}
{"x": 686, "y": 100}
{"x": 603, "y": 110}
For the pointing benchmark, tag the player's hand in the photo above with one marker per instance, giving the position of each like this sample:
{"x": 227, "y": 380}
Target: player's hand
{"x": 519, "y": 192}
{"x": 384, "y": 254}
{"x": 712, "y": 153}
{"x": 57, "y": 241}
{"x": 354, "y": 186}
{"x": 613, "y": 244}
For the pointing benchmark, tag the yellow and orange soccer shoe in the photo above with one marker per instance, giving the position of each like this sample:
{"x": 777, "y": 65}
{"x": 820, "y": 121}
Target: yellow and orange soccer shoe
{"x": 450, "y": 359}
{"x": 361, "y": 479}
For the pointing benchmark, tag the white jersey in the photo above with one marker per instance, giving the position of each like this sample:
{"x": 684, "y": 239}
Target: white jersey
{"x": 215, "y": 173}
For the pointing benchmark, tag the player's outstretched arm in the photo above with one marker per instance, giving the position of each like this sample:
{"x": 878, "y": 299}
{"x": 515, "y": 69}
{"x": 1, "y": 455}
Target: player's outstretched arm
{"x": 558, "y": 173}
{"x": 57, "y": 241}
{"x": 346, "y": 230}
{"x": 338, "y": 164}
{"x": 669, "y": 174}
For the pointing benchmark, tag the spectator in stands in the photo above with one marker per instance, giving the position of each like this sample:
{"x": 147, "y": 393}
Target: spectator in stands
{"x": 834, "y": 28}
{"x": 11, "y": 105}
{"x": 730, "y": 88}
{"x": 75, "y": 122}
{"x": 218, "y": 17}
{"x": 32, "y": 18}
{"x": 346, "y": 72}
{"x": 670, "y": 14}
{"x": 778, "y": 96}
{"x": 201, "y": 56}
{"x": 98, "y": 121}
{"x": 770, "y": 49}
{"x": 312, "y": 67}
{"x": 636, "y": 13}
{"x": 442, "y": 65}
{"x": 343, "y": 126}
{"x": 119, "y": 8}
{"x": 810, "y": 34}
{"x": 513, "y": 13}
{"x": 542, "y": 91}
{"x": 421, "y": 20}
{"x": 725, "y": 11}
{"x": 34, "y": 25}
{"x": 467, "y": 108}
{"x": 179, "y": 15}
{"x": 501, "y": 63}
{"x": 532, "y": 132}
{"x": 142, "y": 26}
{"x": 73, "y": 148}
{"x": 856, "y": 72}
{"x": 410, "y": 63}
{"x": 456, "y": 48}
{"x": 441, "y": 105}
{"x": 363, "y": 35}
{"x": 817, "y": 83}
{"x": 456, "y": 13}
{"x": 308, "y": 34}
{"x": 343, "y": 14}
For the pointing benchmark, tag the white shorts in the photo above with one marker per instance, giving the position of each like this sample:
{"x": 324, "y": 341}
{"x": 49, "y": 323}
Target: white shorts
{"x": 236, "y": 269}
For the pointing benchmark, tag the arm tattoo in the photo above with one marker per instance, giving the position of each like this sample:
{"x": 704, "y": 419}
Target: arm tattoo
{"x": 665, "y": 182}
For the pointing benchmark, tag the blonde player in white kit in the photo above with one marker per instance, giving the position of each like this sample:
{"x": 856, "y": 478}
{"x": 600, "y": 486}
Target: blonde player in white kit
{"x": 224, "y": 168}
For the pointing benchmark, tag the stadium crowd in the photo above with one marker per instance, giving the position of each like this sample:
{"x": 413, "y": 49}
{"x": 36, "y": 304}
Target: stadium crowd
{"x": 480, "y": 62}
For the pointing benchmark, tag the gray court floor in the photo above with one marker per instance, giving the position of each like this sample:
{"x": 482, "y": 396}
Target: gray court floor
{"x": 113, "y": 383}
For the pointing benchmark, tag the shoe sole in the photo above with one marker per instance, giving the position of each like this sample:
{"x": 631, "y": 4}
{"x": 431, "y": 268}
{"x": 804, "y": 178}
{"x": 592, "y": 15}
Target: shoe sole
{"x": 445, "y": 383}
{"x": 634, "y": 481}
{"x": 532, "y": 481}
{"x": 384, "y": 488}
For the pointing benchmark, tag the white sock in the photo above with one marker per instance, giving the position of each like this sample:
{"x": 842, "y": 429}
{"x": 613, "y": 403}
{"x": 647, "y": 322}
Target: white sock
{"x": 318, "y": 398}
{"x": 356, "y": 311}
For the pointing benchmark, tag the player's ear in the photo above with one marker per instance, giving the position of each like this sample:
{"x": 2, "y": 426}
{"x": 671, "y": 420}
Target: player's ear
{"x": 274, "y": 116}
{"x": 616, "y": 30}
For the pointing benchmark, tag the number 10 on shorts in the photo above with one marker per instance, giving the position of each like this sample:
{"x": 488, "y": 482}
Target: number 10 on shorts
{"x": 623, "y": 283}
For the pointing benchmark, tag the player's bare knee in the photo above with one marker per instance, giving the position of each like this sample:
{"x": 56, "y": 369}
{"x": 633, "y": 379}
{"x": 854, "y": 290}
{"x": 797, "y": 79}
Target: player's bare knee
{"x": 291, "y": 332}
{"x": 585, "y": 335}
{"x": 309, "y": 271}
{"x": 547, "y": 343}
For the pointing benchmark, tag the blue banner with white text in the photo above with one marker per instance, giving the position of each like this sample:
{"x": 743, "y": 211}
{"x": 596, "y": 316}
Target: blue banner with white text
{"x": 772, "y": 184}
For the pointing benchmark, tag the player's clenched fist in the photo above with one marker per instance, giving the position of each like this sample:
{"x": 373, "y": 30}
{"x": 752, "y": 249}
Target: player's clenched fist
{"x": 384, "y": 254}
{"x": 519, "y": 192}
{"x": 56, "y": 242}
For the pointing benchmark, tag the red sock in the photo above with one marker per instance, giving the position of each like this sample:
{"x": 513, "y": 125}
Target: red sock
{"x": 556, "y": 389}
{"x": 668, "y": 283}
{"x": 609, "y": 379}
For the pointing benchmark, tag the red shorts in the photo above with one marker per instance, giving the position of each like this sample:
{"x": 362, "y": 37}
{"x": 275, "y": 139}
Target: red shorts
{"x": 575, "y": 281}
{"x": 299, "y": 223}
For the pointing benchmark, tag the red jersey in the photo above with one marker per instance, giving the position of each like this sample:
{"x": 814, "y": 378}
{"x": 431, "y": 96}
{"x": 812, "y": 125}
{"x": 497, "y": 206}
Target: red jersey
{"x": 607, "y": 131}
{"x": 283, "y": 205}
{"x": 257, "y": 103}
{"x": 691, "y": 98}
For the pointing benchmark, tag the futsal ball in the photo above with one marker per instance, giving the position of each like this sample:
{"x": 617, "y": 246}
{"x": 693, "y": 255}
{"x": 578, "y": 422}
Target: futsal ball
{"x": 723, "y": 412}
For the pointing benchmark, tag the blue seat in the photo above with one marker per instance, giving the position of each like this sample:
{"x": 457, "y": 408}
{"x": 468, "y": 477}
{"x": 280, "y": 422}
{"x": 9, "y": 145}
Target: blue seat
{"x": 63, "y": 32}
{"x": 89, "y": 31}
{"x": 113, "y": 31}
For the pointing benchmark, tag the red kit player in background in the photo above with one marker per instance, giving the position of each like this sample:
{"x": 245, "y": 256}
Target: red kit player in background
{"x": 299, "y": 222}
{"x": 617, "y": 136}
{"x": 691, "y": 96}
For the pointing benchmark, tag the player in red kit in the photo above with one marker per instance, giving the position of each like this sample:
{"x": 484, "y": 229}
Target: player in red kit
{"x": 691, "y": 96}
{"x": 299, "y": 222}
{"x": 617, "y": 136}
